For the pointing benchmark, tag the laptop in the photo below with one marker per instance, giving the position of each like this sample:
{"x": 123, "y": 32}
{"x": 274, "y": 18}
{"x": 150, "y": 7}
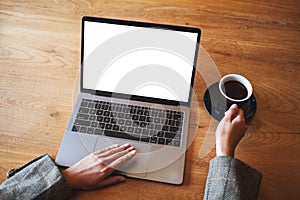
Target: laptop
{"x": 136, "y": 83}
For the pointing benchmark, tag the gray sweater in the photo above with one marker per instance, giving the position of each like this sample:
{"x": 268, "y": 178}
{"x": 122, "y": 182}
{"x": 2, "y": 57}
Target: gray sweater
{"x": 228, "y": 178}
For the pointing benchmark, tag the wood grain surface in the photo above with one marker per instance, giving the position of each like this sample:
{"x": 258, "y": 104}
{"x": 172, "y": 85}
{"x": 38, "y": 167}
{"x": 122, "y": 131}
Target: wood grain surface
{"x": 39, "y": 66}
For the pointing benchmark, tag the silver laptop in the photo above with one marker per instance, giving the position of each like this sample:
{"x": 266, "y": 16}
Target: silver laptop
{"x": 136, "y": 86}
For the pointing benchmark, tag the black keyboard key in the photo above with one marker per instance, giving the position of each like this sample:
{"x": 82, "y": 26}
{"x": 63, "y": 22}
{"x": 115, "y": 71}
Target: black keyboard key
{"x": 132, "y": 111}
{"x": 169, "y": 115}
{"x": 82, "y": 116}
{"x": 108, "y": 126}
{"x": 177, "y": 137}
{"x": 101, "y": 125}
{"x": 99, "y": 118}
{"x": 126, "y": 109}
{"x": 169, "y": 135}
{"x": 135, "y": 117}
{"x": 130, "y": 129}
{"x": 169, "y": 141}
{"x": 123, "y": 128}
{"x": 113, "y": 114}
{"x": 106, "y": 120}
{"x": 92, "y": 117}
{"x": 92, "y": 111}
{"x": 156, "y": 120}
{"x": 173, "y": 129}
{"x": 82, "y": 122}
{"x": 160, "y": 134}
{"x": 135, "y": 124}
{"x": 116, "y": 134}
{"x": 115, "y": 127}
{"x": 157, "y": 127}
{"x": 164, "y": 121}
{"x": 138, "y": 130}
{"x": 105, "y": 106}
{"x": 153, "y": 140}
{"x": 178, "y": 123}
{"x": 75, "y": 128}
{"x": 91, "y": 105}
{"x": 127, "y": 116}
{"x": 84, "y": 104}
{"x": 83, "y": 110}
{"x": 145, "y": 132}
{"x": 90, "y": 131}
{"x": 112, "y": 108}
{"x": 98, "y": 131}
{"x": 121, "y": 121}
{"x": 120, "y": 115}
{"x": 161, "y": 114}
{"x": 140, "y": 112}
{"x": 128, "y": 123}
{"x": 83, "y": 129}
{"x": 97, "y": 106}
{"x": 152, "y": 132}
{"x": 177, "y": 117}
{"x": 119, "y": 109}
{"x": 142, "y": 118}
{"x": 148, "y": 119}
{"x": 171, "y": 122}
{"x": 165, "y": 128}
{"x": 161, "y": 140}
{"x": 176, "y": 143}
{"x": 146, "y": 113}
{"x": 143, "y": 124}
{"x": 145, "y": 139}
{"x": 94, "y": 124}
{"x": 150, "y": 126}
{"x": 154, "y": 114}
{"x": 106, "y": 113}
{"x": 99, "y": 112}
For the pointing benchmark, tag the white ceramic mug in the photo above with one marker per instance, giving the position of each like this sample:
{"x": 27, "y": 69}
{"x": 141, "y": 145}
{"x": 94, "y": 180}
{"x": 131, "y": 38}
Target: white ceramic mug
{"x": 242, "y": 80}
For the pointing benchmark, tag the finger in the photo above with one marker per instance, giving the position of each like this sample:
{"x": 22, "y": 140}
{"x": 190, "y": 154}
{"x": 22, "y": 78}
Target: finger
{"x": 116, "y": 163}
{"x": 113, "y": 151}
{"x": 117, "y": 155}
{"x": 110, "y": 168}
{"x": 110, "y": 180}
{"x": 239, "y": 117}
{"x": 106, "y": 149}
{"x": 231, "y": 113}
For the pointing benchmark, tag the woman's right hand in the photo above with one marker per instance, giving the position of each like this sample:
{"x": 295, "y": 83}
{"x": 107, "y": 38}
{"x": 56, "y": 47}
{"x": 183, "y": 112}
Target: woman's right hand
{"x": 230, "y": 131}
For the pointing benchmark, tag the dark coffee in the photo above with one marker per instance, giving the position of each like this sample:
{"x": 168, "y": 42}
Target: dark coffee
{"x": 235, "y": 90}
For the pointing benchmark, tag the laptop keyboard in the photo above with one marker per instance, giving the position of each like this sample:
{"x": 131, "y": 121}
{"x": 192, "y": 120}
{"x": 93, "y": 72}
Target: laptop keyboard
{"x": 144, "y": 124}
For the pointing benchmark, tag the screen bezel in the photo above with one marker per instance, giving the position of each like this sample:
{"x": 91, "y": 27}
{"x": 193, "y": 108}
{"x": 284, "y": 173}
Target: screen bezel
{"x": 146, "y": 25}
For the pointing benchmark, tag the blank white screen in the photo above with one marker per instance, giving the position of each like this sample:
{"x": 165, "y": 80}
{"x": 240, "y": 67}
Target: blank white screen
{"x": 146, "y": 69}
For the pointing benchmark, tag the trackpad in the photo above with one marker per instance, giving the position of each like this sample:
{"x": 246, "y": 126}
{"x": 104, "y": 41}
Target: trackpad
{"x": 138, "y": 165}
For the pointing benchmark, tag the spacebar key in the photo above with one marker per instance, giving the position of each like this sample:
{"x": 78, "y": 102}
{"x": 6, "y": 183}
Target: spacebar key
{"x": 116, "y": 134}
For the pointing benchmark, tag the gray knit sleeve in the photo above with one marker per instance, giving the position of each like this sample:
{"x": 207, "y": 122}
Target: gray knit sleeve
{"x": 39, "y": 179}
{"x": 230, "y": 178}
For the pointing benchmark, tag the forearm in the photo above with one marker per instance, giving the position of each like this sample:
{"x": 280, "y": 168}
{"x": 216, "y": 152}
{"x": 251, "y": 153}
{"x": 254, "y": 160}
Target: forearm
{"x": 229, "y": 178}
{"x": 40, "y": 179}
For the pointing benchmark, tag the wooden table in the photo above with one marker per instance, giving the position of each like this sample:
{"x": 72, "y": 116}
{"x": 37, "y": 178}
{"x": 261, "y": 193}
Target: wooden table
{"x": 40, "y": 54}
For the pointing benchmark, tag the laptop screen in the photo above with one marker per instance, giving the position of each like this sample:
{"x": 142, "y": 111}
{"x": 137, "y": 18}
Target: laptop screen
{"x": 141, "y": 61}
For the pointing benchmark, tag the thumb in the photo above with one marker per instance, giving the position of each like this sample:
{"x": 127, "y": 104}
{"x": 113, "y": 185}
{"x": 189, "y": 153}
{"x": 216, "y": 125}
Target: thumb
{"x": 110, "y": 180}
{"x": 232, "y": 112}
